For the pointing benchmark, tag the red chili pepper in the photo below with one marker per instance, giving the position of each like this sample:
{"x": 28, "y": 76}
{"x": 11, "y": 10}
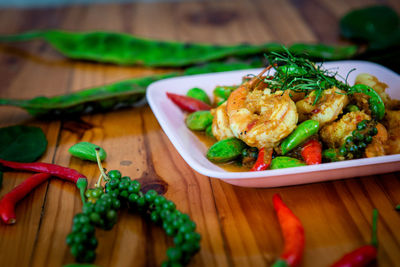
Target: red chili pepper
{"x": 363, "y": 255}
{"x": 263, "y": 160}
{"x": 312, "y": 152}
{"x": 188, "y": 103}
{"x": 53, "y": 169}
{"x": 293, "y": 234}
{"x": 8, "y": 202}
{"x": 357, "y": 258}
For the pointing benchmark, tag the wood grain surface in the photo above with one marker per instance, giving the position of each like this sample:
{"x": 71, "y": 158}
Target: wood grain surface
{"x": 238, "y": 225}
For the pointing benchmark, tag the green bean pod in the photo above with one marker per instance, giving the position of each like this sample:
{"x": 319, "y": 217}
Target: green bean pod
{"x": 376, "y": 104}
{"x": 125, "y": 49}
{"x": 199, "y": 94}
{"x": 285, "y": 162}
{"x": 226, "y": 150}
{"x": 87, "y": 151}
{"x": 305, "y": 130}
{"x": 119, "y": 94}
{"x": 199, "y": 120}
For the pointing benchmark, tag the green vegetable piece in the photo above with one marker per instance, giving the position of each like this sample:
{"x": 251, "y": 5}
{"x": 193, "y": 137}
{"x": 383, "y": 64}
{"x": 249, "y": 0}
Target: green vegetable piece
{"x": 351, "y": 108}
{"x": 330, "y": 154}
{"x": 377, "y": 25}
{"x": 305, "y": 130}
{"x": 119, "y": 94}
{"x": 376, "y": 104}
{"x": 285, "y": 162}
{"x": 223, "y": 92}
{"x": 1, "y": 179}
{"x": 292, "y": 70}
{"x": 199, "y": 120}
{"x": 226, "y": 150}
{"x": 209, "y": 132}
{"x": 22, "y": 143}
{"x": 87, "y": 151}
{"x": 199, "y": 94}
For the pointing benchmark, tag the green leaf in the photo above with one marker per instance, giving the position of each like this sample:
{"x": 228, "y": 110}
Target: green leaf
{"x": 379, "y": 26}
{"x": 22, "y": 143}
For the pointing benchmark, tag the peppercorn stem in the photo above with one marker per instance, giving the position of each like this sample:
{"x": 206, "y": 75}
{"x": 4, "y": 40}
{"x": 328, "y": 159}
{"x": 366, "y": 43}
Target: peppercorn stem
{"x": 82, "y": 184}
{"x": 374, "y": 238}
{"x": 103, "y": 174}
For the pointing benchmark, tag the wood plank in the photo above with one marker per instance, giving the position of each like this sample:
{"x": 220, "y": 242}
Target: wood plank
{"x": 238, "y": 225}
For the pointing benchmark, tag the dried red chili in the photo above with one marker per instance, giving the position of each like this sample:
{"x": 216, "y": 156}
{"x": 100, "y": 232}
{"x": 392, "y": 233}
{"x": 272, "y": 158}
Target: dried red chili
{"x": 8, "y": 202}
{"x": 293, "y": 235}
{"x": 312, "y": 152}
{"x": 188, "y": 103}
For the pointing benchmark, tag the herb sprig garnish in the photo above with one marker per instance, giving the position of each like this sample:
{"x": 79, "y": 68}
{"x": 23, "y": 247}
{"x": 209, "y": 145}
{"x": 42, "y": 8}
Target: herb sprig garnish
{"x": 301, "y": 75}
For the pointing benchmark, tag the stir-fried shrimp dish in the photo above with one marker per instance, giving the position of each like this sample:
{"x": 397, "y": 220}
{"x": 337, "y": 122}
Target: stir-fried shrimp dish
{"x": 295, "y": 113}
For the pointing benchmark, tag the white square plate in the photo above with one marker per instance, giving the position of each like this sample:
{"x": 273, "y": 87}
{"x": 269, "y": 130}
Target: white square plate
{"x": 193, "y": 151}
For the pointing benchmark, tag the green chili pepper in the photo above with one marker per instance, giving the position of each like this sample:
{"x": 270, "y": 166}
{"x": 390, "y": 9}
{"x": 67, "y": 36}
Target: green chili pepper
{"x": 102, "y": 98}
{"x": 376, "y": 104}
{"x": 299, "y": 135}
{"x": 126, "y": 49}
{"x": 199, "y": 94}
{"x": 226, "y": 150}
{"x": 87, "y": 151}
{"x": 285, "y": 162}
{"x": 209, "y": 132}
{"x": 199, "y": 120}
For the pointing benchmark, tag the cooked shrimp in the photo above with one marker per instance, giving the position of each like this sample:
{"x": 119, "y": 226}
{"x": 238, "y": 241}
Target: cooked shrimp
{"x": 220, "y": 126}
{"x": 326, "y": 110}
{"x": 335, "y": 134}
{"x": 392, "y": 122}
{"x": 258, "y": 117}
{"x": 377, "y": 146}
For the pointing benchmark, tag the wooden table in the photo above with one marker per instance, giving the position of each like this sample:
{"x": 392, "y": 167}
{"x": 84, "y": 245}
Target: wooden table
{"x": 238, "y": 225}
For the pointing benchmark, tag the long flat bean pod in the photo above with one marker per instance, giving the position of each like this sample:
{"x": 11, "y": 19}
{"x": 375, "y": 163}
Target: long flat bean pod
{"x": 125, "y": 49}
{"x": 119, "y": 94}
{"x": 100, "y": 98}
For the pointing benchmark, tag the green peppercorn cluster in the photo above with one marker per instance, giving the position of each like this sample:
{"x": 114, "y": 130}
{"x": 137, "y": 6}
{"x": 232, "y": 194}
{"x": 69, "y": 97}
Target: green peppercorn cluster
{"x": 355, "y": 144}
{"x": 101, "y": 211}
